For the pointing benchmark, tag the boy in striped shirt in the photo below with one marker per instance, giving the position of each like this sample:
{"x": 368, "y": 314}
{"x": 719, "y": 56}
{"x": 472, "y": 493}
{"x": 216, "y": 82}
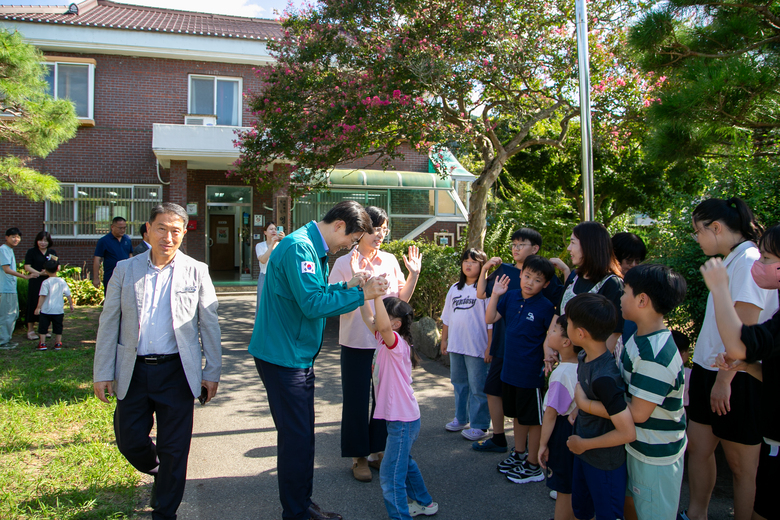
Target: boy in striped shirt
{"x": 653, "y": 371}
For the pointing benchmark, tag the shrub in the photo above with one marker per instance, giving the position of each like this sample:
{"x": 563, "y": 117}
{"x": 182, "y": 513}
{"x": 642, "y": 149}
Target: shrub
{"x": 82, "y": 291}
{"x": 440, "y": 269}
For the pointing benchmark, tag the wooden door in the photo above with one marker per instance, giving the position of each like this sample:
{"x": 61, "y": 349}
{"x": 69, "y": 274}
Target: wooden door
{"x": 222, "y": 243}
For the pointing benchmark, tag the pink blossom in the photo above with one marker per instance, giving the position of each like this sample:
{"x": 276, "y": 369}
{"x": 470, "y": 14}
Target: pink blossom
{"x": 396, "y": 94}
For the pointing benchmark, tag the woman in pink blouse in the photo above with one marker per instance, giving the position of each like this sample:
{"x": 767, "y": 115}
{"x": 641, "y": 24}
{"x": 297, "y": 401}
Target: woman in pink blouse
{"x": 362, "y": 436}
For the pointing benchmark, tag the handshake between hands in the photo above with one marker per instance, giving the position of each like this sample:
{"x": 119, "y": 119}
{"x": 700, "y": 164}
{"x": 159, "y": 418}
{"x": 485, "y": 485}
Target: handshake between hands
{"x": 373, "y": 286}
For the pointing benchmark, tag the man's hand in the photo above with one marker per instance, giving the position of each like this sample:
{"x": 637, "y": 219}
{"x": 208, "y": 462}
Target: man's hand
{"x": 357, "y": 280}
{"x": 443, "y": 347}
{"x": 375, "y": 287}
{"x": 575, "y": 444}
{"x": 414, "y": 261}
{"x": 71, "y": 306}
{"x": 31, "y": 276}
{"x": 37, "y": 310}
{"x": 103, "y": 389}
{"x": 96, "y": 283}
{"x": 211, "y": 386}
{"x": 488, "y": 357}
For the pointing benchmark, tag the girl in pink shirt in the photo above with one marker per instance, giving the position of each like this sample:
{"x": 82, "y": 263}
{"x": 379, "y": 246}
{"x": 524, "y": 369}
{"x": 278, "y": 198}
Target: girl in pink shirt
{"x": 395, "y": 403}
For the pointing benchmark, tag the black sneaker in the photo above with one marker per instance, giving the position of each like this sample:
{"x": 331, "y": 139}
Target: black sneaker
{"x": 512, "y": 461}
{"x": 526, "y": 472}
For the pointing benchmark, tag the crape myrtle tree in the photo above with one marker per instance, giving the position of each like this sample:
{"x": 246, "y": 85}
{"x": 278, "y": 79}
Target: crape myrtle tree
{"x": 33, "y": 121}
{"x": 723, "y": 89}
{"x": 359, "y": 78}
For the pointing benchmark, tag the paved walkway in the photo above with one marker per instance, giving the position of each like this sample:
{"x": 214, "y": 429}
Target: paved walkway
{"x": 232, "y": 467}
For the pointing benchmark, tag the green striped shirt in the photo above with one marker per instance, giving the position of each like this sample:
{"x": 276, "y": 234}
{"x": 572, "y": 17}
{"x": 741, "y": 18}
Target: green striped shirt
{"x": 652, "y": 368}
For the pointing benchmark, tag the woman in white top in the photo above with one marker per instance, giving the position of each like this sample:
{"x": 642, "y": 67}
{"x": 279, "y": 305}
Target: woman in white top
{"x": 263, "y": 251}
{"x": 724, "y": 406}
{"x": 363, "y": 437}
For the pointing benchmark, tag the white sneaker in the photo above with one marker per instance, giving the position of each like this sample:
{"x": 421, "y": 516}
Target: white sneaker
{"x": 415, "y": 509}
{"x": 474, "y": 434}
{"x": 455, "y": 426}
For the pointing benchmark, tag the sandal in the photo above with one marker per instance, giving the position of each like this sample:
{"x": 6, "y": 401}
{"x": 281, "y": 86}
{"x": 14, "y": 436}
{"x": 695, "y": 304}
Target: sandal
{"x": 32, "y": 336}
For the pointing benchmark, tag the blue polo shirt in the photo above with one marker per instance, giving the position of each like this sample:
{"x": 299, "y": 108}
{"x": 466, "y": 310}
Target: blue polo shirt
{"x": 112, "y": 251}
{"x": 552, "y": 292}
{"x": 527, "y": 322}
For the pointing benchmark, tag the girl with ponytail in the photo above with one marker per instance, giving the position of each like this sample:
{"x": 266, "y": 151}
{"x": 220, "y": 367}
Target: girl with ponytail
{"x": 724, "y": 405}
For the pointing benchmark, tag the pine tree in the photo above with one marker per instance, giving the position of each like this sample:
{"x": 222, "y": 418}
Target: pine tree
{"x": 33, "y": 124}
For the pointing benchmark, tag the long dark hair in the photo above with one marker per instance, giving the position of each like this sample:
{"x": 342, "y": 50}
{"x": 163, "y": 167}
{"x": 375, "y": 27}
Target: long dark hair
{"x": 470, "y": 254}
{"x": 733, "y": 212}
{"x": 598, "y": 257}
{"x": 398, "y": 309}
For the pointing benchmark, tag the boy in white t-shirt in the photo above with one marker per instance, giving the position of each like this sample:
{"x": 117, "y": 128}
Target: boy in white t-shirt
{"x": 51, "y": 307}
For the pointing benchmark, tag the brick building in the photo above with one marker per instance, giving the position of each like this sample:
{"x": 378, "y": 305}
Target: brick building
{"x": 159, "y": 94}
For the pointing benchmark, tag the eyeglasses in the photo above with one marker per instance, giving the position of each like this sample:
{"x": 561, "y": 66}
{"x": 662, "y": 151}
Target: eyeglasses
{"x": 695, "y": 234}
{"x": 356, "y": 242}
{"x": 519, "y": 247}
{"x": 384, "y": 231}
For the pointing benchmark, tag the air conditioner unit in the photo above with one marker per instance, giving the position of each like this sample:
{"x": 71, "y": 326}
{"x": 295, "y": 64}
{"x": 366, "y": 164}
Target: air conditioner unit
{"x": 200, "y": 120}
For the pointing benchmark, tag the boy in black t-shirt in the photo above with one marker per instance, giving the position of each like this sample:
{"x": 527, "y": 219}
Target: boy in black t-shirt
{"x": 599, "y": 479}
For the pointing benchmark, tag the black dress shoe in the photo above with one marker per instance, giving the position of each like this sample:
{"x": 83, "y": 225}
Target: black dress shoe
{"x": 315, "y": 513}
{"x": 153, "y": 502}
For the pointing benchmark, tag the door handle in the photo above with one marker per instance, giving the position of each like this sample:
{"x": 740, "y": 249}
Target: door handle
{"x": 211, "y": 241}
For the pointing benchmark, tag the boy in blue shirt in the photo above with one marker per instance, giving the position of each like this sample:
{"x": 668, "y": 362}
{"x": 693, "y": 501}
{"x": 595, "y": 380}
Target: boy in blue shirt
{"x": 525, "y": 242}
{"x": 528, "y": 316}
{"x": 599, "y": 478}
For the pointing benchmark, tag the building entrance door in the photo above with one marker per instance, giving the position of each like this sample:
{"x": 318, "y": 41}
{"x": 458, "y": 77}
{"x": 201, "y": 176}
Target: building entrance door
{"x": 222, "y": 244}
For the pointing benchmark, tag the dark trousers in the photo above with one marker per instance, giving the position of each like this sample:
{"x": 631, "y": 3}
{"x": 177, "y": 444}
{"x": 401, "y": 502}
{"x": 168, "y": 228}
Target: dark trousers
{"x": 291, "y": 399}
{"x": 361, "y": 434}
{"x": 160, "y": 390}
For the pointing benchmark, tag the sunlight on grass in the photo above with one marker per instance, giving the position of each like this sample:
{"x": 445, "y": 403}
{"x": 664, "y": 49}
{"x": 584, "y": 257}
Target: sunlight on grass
{"x": 58, "y": 458}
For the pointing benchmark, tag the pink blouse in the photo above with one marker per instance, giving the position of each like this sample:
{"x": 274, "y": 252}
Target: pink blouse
{"x": 395, "y": 399}
{"x": 352, "y": 331}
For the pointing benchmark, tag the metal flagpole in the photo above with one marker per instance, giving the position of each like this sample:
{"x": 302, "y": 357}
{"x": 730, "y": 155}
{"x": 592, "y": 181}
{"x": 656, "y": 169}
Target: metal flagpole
{"x": 585, "y": 127}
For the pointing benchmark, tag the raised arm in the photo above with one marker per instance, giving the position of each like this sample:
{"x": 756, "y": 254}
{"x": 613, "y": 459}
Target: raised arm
{"x": 483, "y": 274}
{"x": 729, "y": 323}
{"x": 413, "y": 264}
{"x": 500, "y": 288}
{"x": 382, "y": 322}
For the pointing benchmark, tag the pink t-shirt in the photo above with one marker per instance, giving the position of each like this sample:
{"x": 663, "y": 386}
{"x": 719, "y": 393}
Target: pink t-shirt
{"x": 352, "y": 331}
{"x": 394, "y": 395}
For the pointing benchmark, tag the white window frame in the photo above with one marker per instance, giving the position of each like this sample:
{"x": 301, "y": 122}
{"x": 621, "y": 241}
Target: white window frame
{"x": 57, "y": 61}
{"x": 240, "y": 81}
{"x": 75, "y": 195}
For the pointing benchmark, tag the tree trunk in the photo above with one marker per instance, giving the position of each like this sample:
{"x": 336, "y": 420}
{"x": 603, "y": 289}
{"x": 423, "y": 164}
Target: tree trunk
{"x": 480, "y": 190}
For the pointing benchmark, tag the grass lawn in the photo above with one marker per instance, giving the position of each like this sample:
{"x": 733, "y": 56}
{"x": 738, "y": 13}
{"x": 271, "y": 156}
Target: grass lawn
{"x": 58, "y": 458}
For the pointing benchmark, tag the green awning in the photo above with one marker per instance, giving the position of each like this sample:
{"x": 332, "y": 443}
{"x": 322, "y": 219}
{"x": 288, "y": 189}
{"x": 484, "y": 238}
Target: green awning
{"x": 387, "y": 179}
{"x": 453, "y": 167}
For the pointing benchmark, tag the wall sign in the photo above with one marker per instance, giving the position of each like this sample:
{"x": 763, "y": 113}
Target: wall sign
{"x": 192, "y": 209}
{"x": 259, "y": 220}
{"x": 223, "y": 235}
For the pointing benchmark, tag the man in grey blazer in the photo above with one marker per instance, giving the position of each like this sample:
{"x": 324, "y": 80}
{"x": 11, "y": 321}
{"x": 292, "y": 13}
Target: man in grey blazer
{"x": 159, "y": 320}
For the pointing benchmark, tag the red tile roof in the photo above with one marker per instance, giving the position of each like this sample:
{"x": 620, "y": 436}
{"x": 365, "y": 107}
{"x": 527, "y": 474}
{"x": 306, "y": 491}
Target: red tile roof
{"x": 110, "y": 15}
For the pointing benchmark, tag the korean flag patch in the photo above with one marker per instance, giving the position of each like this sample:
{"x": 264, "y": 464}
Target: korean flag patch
{"x": 307, "y": 267}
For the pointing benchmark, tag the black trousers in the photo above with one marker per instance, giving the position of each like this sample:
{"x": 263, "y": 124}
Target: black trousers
{"x": 160, "y": 391}
{"x": 291, "y": 399}
{"x": 361, "y": 434}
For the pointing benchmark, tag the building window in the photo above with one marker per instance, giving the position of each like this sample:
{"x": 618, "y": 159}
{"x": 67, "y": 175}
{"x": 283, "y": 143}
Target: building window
{"x": 213, "y": 95}
{"x": 86, "y": 210}
{"x": 75, "y": 81}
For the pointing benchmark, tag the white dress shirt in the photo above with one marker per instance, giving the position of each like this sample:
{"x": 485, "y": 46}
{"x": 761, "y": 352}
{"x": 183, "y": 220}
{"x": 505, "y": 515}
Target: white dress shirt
{"x": 156, "y": 334}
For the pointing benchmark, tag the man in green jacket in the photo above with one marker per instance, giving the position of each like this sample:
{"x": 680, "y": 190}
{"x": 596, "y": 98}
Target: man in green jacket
{"x": 288, "y": 336}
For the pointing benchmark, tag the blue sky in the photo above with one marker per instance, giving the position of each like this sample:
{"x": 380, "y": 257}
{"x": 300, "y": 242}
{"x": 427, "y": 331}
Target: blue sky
{"x": 251, "y": 8}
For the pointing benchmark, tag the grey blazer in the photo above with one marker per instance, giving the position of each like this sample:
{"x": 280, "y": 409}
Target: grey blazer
{"x": 195, "y": 322}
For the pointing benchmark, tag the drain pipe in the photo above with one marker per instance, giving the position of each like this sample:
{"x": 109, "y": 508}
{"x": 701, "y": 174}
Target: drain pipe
{"x": 158, "y": 173}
